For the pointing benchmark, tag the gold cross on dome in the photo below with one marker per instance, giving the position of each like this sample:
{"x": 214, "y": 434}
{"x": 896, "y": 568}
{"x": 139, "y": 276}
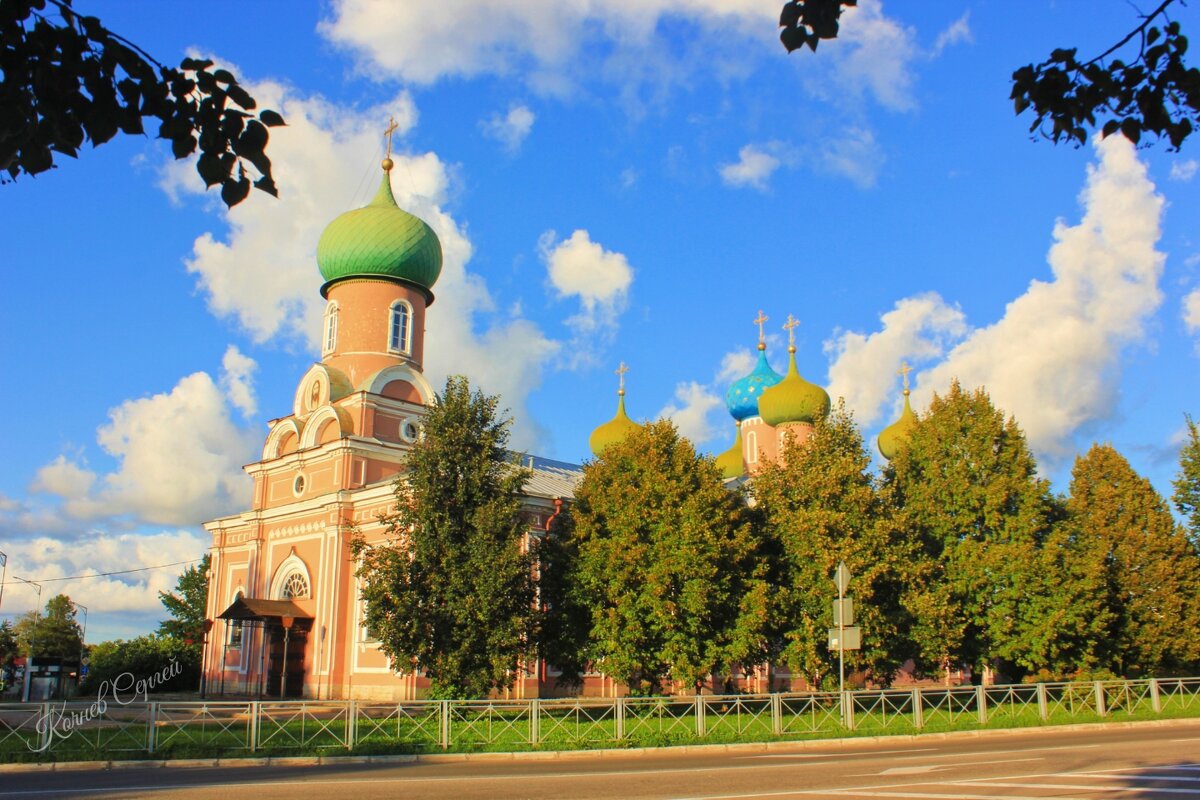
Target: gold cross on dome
{"x": 391, "y": 128}
{"x": 790, "y": 327}
{"x": 904, "y": 370}
{"x": 620, "y": 373}
{"x": 759, "y": 320}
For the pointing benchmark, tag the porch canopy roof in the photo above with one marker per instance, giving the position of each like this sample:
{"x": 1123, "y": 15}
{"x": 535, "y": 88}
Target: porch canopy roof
{"x": 247, "y": 609}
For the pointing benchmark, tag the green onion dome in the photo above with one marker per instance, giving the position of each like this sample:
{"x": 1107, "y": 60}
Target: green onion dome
{"x": 793, "y": 399}
{"x": 613, "y": 431}
{"x": 896, "y": 434}
{"x": 380, "y": 240}
{"x": 730, "y": 462}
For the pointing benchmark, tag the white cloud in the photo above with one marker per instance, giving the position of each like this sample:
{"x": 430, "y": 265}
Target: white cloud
{"x": 553, "y": 46}
{"x": 734, "y": 365}
{"x": 918, "y": 329}
{"x": 260, "y": 267}
{"x": 959, "y": 31}
{"x": 852, "y": 154}
{"x": 179, "y": 457}
{"x": 118, "y": 605}
{"x": 1191, "y": 311}
{"x": 1052, "y": 360}
{"x": 1184, "y": 170}
{"x": 599, "y": 278}
{"x": 753, "y": 168}
{"x": 511, "y": 129}
{"x": 237, "y": 380}
{"x": 691, "y": 410}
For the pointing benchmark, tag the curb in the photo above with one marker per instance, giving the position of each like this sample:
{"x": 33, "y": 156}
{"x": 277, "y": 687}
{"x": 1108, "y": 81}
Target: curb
{"x": 549, "y": 755}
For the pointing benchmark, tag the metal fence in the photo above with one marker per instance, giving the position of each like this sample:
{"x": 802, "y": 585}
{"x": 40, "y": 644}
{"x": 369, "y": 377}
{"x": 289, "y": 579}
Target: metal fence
{"x": 113, "y": 730}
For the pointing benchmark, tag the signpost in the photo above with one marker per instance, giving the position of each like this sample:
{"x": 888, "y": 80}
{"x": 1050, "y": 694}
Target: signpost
{"x": 845, "y": 635}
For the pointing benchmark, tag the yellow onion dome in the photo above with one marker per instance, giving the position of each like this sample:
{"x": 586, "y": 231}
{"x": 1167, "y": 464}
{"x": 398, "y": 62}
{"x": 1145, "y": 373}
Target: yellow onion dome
{"x": 730, "y": 462}
{"x": 613, "y": 431}
{"x": 793, "y": 399}
{"x": 893, "y": 436}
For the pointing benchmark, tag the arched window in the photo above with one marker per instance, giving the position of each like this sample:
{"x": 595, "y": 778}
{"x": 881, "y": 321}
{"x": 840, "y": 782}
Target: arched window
{"x": 331, "y": 325}
{"x": 751, "y": 447}
{"x": 295, "y": 587}
{"x": 236, "y": 630}
{"x": 400, "y": 329}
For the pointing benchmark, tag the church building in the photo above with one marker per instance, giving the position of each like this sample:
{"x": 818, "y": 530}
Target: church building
{"x": 283, "y": 592}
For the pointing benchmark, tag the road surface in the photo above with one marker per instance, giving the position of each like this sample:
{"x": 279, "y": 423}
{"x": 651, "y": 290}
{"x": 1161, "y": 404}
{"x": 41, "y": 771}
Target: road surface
{"x": 1144, "y": 761}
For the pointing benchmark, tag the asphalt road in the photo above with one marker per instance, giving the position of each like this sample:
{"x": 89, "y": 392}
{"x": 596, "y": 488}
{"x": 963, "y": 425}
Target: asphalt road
{"x": 1144, "y": 761}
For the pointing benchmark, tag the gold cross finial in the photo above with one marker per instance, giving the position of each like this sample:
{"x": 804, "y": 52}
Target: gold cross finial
{"x": 621, "y": 370}
{"x": 759, "y": 320}
{"x": 904, "y": 370}
{"x": 790, "y": 327}
{"x": 391, "y": 128}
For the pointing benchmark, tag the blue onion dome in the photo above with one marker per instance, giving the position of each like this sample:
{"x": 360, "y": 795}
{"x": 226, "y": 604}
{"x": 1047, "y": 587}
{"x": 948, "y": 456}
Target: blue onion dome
{"x": 742, "y": 397}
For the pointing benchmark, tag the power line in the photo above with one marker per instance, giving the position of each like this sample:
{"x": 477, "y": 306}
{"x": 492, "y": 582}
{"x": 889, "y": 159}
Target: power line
{"x": 106, "y": 574}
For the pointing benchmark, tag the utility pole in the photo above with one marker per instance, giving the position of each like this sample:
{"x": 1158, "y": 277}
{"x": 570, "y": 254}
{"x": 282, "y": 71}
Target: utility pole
{"x": 37, "y": 611}
{"x": 82, "y": 638}
{"x": 3, "y": 576}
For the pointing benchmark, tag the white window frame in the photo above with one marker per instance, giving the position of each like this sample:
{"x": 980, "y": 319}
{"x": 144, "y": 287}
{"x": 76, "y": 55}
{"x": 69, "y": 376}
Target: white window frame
{"x": 404, "y": 346}
{"x": 751, "y": 447}
{"x": 331, "y": 328}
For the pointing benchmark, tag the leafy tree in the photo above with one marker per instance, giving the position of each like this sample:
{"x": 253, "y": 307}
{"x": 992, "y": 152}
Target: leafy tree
{"x": 9, "y": 647}
{"x": 54, "y": 634}
{"x": 187, "y": 605}
{"x": 563, "y": 621}
{"x": 450, "y": 590}
{"x": 1149, "y": 572}
{"x": 666, "y": 564}
{"x": 116, "y": 662}
{"x": 67, "y": 79}
{"x": 1187, "y": 482}
{"x": 966, "y": 489}
{"x": 820, "y": 506}
{"x": 1139, "y": 86}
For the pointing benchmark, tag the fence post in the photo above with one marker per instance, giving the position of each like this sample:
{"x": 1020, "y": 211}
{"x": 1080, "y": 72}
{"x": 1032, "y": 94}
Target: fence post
{"x": 535, "y": 721}
{"x": 981, "y": 703}
{"x": 777, "y": 714}
{"x": 918, "y": 708}
{"x": 1043, "y": 702}
{"x": 619, "y": 714}
{"x": 1099, "y": 690}
{"x": 351, "y": 724}
{"x": 47, "y": 729}
{"x": 1155, "y": 699}
{"x": 444, "y": 723}
{"x": 255, "y": 713}
{"x": 848, "y": 709}
{"x": 151, "y": 726}
{"x": 700, "y": 726}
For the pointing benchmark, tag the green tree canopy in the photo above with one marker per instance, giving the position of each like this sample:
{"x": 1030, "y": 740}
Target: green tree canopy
{"x": 666, "y": 564}
{"x": 1187, "y": 483}
{"x": 819, "y": 505}
{"x": 187, "y": 605}
{"x": 450, "y": 589}
{"x": 9, "y": 647}
{"x": 1148, "y": 570}
{"x": 54, "y": 634}
{"x": 65, "y": 79}
{"x": 966, "y": 489}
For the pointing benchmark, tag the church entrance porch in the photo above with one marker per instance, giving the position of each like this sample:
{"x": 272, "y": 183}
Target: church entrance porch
{"x": 282, "y": 645}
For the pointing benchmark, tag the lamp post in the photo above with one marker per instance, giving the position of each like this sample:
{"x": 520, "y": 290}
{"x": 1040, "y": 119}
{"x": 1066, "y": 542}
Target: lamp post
{"x": 3, "y": 575}
{"x": 82, "y": 637}
{"x": 37, "y": 611}
{"x": 208, "y": 623}
{"x": 287, "y": 623}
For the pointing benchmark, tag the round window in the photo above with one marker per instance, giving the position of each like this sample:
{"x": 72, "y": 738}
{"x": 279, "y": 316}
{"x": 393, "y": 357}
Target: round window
{"x": 298, "y": 485}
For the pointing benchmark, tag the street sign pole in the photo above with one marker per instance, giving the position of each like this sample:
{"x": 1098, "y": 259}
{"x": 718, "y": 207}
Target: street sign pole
{"x": 842, "y": 579}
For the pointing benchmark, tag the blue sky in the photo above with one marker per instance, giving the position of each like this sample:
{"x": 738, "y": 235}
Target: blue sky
{"x": 611, "y": 180}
